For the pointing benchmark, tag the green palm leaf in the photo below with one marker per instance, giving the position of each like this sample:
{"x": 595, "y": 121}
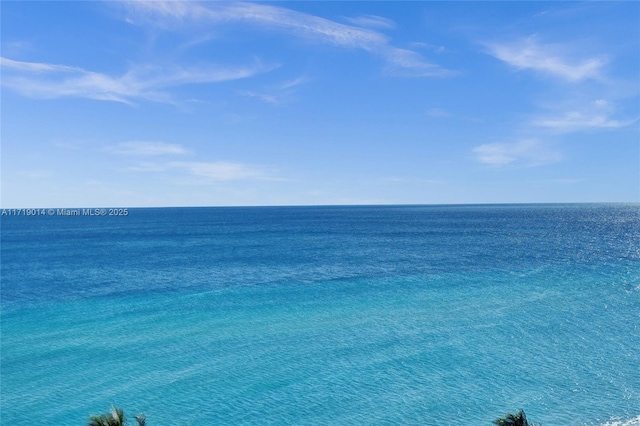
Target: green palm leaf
{"x": 141, "y": 419}
{"x": 519, "y": 419}
{"x": 115, "y": 418}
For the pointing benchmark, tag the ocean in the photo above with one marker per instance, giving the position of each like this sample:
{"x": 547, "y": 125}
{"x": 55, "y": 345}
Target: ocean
{"x": 333, "y": 315}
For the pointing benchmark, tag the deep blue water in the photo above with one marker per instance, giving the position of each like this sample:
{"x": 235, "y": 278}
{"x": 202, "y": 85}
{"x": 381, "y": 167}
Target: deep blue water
{"x": 430, "y": 315}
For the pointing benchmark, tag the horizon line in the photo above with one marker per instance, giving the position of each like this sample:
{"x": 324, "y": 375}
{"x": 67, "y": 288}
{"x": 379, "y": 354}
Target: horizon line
{"x": 323, "y": 205}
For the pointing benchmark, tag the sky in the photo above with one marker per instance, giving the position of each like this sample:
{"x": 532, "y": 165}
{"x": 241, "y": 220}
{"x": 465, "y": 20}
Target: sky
{"x": 184, "y": 103}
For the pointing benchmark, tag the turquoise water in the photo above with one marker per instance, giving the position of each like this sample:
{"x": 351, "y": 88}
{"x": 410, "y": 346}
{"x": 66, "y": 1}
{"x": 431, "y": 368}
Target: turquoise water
{"x": 430, "y": 315}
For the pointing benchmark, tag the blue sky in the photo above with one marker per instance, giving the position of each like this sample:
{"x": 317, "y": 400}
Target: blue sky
{"x": 182, "y": 103}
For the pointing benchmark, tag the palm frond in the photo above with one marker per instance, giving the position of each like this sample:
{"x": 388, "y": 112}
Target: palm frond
{"x": 141, "y": 419}
{"x": 519, "y": 419}
{"x": 96, "y": 421}
{"x": 117, "y": 416}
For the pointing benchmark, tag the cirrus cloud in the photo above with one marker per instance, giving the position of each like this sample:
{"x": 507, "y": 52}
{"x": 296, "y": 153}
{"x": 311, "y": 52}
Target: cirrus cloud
{"x": 209, "y": 171}
{"x": 524, "y": 153}
{"x": 551, "y": 59}
{"x": 147, "y": 82}
{"x": 144, "y": 148}
{"x": 576, "y": 120}
{"x": 182, "y": 15}
{"x": 220, "y": 170}
{"x": 372, "y": 21}
{"x": 598, "y": 114}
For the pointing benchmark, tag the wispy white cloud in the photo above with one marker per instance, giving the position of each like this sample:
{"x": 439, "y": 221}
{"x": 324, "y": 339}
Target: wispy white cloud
{"x": 292, "y": 83}
{"x": 221, "y": 171}
{"x": 48, "y": 81}
{"x": 567, "y": 181}
{"x": 176, "y": 13}
{"x": 525, "y": 153}
{"x": 598, "y": 114}
{"x": 371, "y": 21}
{"x": 438, "y": 112}
{"x": 265, "y": 97}
{"x": 36, "y": 67}
{"x": 552, "y": 59}
{"x": 144, "y": 148}
{"x": 41, "y": 80}
{"x": 73, "y": 145}
{"x": 321, "y": 30}
{"x": 590, "y": 116}
{"x": 275, "y": 94}
{"x": 569, "y": 108}
{"x": 433, "y": 47}
{"x": 152, "y": 83}
{"x": 575, "y": 121}
{"x": 215, "y": 171}
{"x": 406, "y": 62}
{"x": 148, "y": 167}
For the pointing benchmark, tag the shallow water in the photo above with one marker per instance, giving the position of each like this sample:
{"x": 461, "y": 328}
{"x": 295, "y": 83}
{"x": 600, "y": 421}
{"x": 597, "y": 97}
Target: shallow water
{"x": 324, "y": 315}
